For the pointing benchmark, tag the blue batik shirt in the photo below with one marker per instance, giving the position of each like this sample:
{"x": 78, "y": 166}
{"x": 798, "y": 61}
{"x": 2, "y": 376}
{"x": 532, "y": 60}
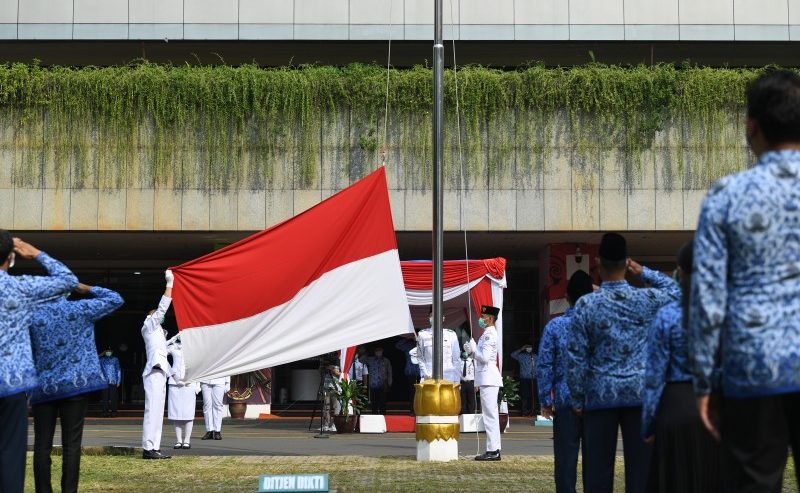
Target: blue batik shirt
{"x": 667, "y": 360}
{"x": 527, "y": 363}
{"x": 606, "y": 349}
{"x": 411, "y": 369}
{"x": 109, "y": 365}
{"x": 18, "y": 296}
{"x": 745, "y": 304}
{"x": 62, "y": 333}
{"x": 551, "y": 367}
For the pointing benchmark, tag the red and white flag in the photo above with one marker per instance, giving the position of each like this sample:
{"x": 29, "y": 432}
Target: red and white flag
{"x": 325, "y": 279}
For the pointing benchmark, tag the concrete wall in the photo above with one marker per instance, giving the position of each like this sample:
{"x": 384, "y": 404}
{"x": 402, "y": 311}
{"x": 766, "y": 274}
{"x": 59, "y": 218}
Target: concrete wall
{"x": 562, "y": 202}
{"x": 642, "y": 20}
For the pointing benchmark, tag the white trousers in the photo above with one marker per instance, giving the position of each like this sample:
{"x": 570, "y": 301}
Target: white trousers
{"x": 155, "y": 393}
{"x": 212, "y": 405}
{"x": 183, "y": 430}
{"x": 491, "y": 419}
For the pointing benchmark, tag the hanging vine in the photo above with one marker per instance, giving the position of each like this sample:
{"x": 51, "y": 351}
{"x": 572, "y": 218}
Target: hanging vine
{"x": 220, "y": 127}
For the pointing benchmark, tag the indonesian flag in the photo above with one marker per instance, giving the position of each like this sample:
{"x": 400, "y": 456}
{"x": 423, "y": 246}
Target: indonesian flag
{"x": 325, "y": 279}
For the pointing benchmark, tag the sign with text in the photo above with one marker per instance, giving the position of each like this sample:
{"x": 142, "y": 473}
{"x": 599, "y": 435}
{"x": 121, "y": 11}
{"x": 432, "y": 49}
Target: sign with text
{"x": 272, "y": 483}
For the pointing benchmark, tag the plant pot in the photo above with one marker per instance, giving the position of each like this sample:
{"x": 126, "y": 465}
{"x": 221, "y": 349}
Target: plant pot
{"x": 345, "y": 424}
{"x": 237, "y": 409}
{"x": 503, "y": 422}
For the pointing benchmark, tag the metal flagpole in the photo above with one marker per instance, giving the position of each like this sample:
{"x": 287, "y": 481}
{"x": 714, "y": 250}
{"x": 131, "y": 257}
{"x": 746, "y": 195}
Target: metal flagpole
{"x": 438, "y": 206}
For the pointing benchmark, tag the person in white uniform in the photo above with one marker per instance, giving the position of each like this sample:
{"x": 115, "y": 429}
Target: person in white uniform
{"x": 488, "y": 380}
{"x": 182, "y": 399}
{"x": 451, "y": 354}
{"x": 156, "y": 370}
{"x": 213, "y": 392}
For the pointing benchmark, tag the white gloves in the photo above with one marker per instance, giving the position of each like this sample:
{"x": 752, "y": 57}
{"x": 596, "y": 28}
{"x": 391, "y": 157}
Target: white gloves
{"x": 170, "y": 277}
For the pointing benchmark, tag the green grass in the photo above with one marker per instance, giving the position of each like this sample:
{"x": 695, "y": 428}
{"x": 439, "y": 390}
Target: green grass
{"x": 347, "y": 474}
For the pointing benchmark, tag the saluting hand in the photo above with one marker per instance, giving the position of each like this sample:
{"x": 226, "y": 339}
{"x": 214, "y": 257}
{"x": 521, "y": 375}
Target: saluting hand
{"x": 635, "y": 268}
{"x": 25, "y": 250}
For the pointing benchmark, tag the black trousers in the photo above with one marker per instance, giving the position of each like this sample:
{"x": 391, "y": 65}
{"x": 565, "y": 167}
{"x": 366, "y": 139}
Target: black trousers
{"x": 72, "y": 412}
{"x": 468, "y": 397}
{"x": 110, "y": 397}
{"x": 526, "y": 395}
{"x": 378, "y": 401}
{"x": 412, "y": 390}
{"x": 600, "y": 449}
{"x": 757, "y": 433}
{"x": 13, "y": 442}
{"x": 567, "y": 434}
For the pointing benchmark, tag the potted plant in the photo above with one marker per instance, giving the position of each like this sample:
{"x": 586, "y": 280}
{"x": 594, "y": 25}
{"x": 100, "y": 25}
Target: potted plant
{"x": 241, "y": 390}
{"x": 508, "y": 394}
{"x": 352, "y": 396}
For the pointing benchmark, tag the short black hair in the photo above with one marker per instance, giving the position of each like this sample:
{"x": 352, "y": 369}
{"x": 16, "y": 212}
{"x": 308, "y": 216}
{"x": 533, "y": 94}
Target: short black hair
{"x": 773, "y": 101}
{"x": 580, "y": 283}
{"x": 6, "y": 244}
{"x": 613, "y": 265}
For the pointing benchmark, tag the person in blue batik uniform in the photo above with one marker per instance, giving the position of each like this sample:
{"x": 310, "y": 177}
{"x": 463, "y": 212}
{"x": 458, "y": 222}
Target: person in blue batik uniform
{"x": 605, "y": 371}
{"x": 109, "y": 364}
{"x": 686, "y": 457}
{"x": 18, "y": 296}
{"x": 553, "y": 391}
{"x": 65, "y": 355}
{"x": 527, "y": 372}
{"x": 406, "y": 343}
{"x": 745, "y": 305}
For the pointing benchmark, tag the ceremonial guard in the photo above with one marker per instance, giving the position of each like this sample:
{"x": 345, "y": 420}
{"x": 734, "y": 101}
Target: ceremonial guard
{"x": 213, "y": 393}
{"x": 451, "y": 354}
{"x": 606, "y": 366}
{"x": 113, "y": 374}
{"x": 156, "y": 370}
{"x": 488, "y": 380}
{"x": 182, "y": 398}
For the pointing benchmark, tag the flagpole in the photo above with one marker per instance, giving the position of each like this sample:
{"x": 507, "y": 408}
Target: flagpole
{"x": 438, "y": 206}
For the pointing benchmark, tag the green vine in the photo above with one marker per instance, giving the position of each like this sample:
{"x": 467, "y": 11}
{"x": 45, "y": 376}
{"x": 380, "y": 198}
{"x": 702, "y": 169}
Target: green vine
{"x": 220, "y": 127}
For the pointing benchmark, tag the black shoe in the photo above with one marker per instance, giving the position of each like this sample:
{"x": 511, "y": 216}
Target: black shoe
{"x": 217, "y": 435}
{"x": 186, "y": 446}
{"x": 489, "y": 456}
{"x": 153, "y": 454}
{"x": 177, "y": 445}
{"x": 208, "y": 436}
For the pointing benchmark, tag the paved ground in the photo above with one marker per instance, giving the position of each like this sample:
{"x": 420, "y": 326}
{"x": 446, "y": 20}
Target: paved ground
{"x": 290, "y": 436}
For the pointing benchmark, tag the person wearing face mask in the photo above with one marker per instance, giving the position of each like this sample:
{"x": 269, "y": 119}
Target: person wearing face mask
{"x": 155, "y": 374}
{"x": 380, "y": 380}
{"x": 182, "y": 397}
{"x": 468, "y": 403}
{"x": 488, "y": 380}
{"x": 451, "y": 353}
{"x": 64, "y": 351}
{"x": 18, "y": 297}
{"x": 527, "y": 372}
{"x": 109, "y": 364}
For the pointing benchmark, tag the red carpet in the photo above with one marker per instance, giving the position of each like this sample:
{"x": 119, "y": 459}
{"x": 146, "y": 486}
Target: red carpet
{"x": 400, "y": 424}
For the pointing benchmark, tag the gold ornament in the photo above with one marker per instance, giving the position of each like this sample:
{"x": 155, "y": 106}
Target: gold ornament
{"x": 437, "y": 431}
{"x": 437, "y": 398}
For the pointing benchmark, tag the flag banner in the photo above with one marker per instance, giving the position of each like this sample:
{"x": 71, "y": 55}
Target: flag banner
{"x": 327, "y": 278}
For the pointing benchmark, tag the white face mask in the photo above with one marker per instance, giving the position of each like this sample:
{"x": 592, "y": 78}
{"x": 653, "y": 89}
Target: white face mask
{"x": 108, "y": 353}
{"x": 430, "y": 319}
{"x": 378, "y": 353}
{"x": 13, "y": 259}
{"x": 528, "y": 349}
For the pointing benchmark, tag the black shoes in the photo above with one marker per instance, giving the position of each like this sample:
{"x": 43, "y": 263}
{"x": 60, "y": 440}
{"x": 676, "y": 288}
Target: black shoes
{"x": 186, "y": 446}
{"x": 154, "y": 454}
{"x": 217, "y": 435}
{"x": 489, "y": 456}
{"x": 208, "y": 436}
{"x": 177, "y": 445}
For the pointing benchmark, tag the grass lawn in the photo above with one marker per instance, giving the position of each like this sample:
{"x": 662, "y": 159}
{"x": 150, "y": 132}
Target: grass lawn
{"x": 347, "y": 474}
